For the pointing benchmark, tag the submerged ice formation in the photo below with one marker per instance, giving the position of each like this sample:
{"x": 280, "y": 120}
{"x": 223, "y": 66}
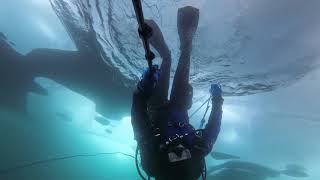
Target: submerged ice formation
{"x": 61, "y": 104}
{"x": 248, "y": 46}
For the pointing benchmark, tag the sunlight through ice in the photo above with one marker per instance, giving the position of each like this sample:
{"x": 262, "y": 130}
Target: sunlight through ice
{"x": 123, "y": 132}
{"x": 42, "y": 3}
{"x": 61, "y": 105}
{"x": 45, "y": 29}
{"x": 230, "y": 136}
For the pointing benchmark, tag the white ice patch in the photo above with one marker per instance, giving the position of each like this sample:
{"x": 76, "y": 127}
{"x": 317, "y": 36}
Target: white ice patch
{"x": 123, "y": 132}
{"x": 61, "y": 104}
{"x": 65, "y": 106}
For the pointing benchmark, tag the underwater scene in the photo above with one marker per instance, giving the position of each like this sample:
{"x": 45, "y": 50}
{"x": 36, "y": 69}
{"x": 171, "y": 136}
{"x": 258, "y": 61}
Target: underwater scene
{"x": 81, "y": 96}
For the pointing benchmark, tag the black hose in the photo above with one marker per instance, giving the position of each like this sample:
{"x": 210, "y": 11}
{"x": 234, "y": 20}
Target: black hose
{"x": 204, "y": 172}
{"x": 137, "y": 164}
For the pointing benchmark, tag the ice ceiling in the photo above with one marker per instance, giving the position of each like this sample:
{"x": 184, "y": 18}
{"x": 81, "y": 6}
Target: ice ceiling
{"x": 249, "y": 46}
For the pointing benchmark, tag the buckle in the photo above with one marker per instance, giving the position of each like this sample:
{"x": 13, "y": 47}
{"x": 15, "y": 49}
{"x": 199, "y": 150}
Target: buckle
{"x": 181, "y": 124}
{"x": 185, "y": 154}
{"x": 198, "y": 134}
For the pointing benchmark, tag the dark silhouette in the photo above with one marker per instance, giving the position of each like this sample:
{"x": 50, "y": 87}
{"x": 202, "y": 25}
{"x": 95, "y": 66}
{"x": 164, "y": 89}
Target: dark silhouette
{"x": 82, "y": 71}
{"x": 222, "y": 156}
{"x": 242, "y": 170}
{"x": 170, "y": 147}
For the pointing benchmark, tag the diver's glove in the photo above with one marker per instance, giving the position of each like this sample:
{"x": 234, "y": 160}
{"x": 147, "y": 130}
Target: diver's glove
{"x": 216, "y": 94}
{"x": 149, "y": 80}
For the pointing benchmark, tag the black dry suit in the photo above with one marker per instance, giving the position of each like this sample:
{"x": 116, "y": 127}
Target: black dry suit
{"x": 170, "y": 147}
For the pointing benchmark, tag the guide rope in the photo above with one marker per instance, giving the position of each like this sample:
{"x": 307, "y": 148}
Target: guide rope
{"x": 208, "y": 105}
{"x": 46, "y": 161}
{"x": 203, "y": 120}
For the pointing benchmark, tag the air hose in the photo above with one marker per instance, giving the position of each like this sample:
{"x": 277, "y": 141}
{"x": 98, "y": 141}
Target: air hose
{"x": 137, "y": 164}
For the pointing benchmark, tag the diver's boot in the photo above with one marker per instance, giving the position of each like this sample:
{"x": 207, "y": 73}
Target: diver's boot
{"x": 188, "y": 19}
{"x": 157, "y": 40}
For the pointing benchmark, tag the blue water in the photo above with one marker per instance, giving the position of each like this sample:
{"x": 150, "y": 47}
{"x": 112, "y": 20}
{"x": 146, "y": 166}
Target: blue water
{"x": 265, "y": 55}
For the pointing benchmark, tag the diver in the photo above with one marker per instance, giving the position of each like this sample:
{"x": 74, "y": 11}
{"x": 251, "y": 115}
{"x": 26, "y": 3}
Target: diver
{"x": 170, "y": 147}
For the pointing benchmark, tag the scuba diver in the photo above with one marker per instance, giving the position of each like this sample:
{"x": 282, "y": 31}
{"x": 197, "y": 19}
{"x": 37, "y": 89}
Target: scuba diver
{"x": 170, "y": 147}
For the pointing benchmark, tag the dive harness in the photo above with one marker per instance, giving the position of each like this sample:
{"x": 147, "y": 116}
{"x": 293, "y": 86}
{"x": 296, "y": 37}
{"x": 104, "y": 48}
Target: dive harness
{"x": 173, "y": 146}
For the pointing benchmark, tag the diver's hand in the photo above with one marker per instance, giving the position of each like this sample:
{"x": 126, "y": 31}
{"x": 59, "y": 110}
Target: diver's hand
{"x": 149, "y": 80}
{"x": 216, "y": 94}
{"x": 157, "y": 39}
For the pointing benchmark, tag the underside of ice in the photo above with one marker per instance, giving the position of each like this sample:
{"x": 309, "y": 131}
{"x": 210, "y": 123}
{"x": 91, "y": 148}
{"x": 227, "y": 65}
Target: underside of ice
{"x": 248, "y": 46}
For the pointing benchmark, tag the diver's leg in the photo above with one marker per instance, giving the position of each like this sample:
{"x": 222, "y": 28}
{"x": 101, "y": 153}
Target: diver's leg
{"x": 157, "y": 41}
{"x": 188, "y": 18}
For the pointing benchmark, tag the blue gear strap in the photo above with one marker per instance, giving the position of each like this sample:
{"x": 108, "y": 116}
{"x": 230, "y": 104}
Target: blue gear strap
{"x": 149, "y": 80}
